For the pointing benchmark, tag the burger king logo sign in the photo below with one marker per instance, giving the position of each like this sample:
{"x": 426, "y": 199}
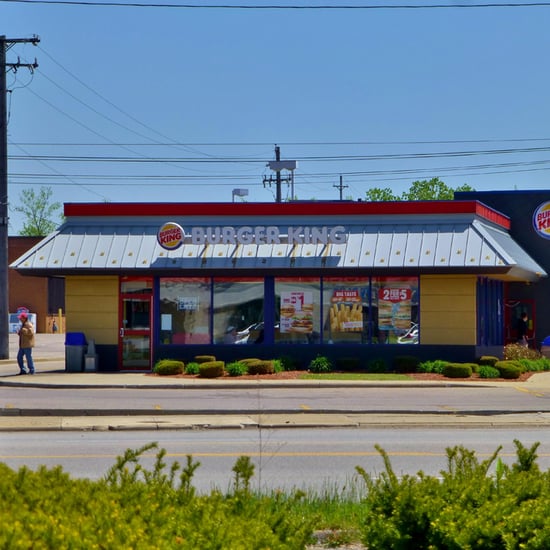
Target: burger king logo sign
{"x": 541, "y": 220}
{"x": 170, "y": 236}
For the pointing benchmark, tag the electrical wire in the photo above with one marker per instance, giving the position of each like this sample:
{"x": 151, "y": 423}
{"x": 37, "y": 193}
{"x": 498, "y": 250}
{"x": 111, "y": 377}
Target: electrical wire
{"x": 468, "y": 5}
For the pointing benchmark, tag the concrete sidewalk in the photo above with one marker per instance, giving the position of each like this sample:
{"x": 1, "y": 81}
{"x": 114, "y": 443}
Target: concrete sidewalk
{"x": 50, "y": 372}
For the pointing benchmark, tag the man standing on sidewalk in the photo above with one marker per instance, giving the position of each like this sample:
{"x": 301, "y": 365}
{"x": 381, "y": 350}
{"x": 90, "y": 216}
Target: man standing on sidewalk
{"x": 26, "y": 343}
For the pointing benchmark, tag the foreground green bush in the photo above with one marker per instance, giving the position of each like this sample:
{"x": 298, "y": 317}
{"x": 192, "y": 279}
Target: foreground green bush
{"x": 472, "y": 504}
{"x": 464, "y": 508}
{"x": 168, "y": 367}
{"x": 134, "y": 508}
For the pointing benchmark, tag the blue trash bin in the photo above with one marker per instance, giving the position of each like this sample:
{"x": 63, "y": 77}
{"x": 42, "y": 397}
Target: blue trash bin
{"x": 75, "y": 348}
{"x": 545, "y": 347}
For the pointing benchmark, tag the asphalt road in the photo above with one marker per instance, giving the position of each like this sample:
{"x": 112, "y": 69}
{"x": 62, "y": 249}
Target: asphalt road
{"x": 318, "y": 459}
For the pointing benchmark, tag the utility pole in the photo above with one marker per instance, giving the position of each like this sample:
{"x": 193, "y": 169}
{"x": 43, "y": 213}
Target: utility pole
{"x": 277, "y": 165}
{"x": 341, "y": 187}
{"x": 5, "y": 45}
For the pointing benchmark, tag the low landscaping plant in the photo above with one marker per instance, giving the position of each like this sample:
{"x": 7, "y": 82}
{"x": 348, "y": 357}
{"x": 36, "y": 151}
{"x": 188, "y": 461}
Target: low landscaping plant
{"x": 249, "y": 361}
{"x": 405, "y": 363}
{"x": 488, "y": 360}
{"x": 211, "y": 369}
{"x": 435, "y": 366}
{"x": 485, "y": 371}
{"x": 535, "y": 365}
{"x": 320, "y": 364}
{"x": 377, "y": 365}
{"x": 277, "y": 365}
{"x": 288, "y": 362}
{"x": 168, "y": 367}
{"x": 509, "y": 369}
{"x": 192, "y": 368}
{"x": 236, "y": 368}
{"x": 457, "y": 370}
{"x": 517, "y": 351}
{"x": 261, "y": 367}
{"x": 204, "y": 358}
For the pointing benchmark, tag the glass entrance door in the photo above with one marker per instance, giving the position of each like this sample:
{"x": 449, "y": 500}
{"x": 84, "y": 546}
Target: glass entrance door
{"x": 136, "y": 298}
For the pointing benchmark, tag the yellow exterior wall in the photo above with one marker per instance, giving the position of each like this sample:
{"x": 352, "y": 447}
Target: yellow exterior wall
{"x": 448, "y": 309}
{"x": 91, "y": 306}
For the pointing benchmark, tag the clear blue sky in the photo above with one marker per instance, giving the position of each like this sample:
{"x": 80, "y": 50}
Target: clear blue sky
{"x": 399, "y": 88}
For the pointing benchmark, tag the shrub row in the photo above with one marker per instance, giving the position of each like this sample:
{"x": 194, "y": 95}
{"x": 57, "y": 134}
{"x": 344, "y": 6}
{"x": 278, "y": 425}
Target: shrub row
{"x": 465, "y": 507}
{"x": 136, "y": 508}
{"x": 472, "y": 504}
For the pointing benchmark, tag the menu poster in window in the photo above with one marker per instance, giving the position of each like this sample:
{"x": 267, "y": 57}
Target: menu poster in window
{"x": 296, "y": 313}
{"x": 394, "y": 308}
{"x": 188, "y": 303}
{"x": 346, "y": 311}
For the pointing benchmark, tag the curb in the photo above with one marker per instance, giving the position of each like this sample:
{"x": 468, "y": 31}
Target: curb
{"x": 267, "y": 421}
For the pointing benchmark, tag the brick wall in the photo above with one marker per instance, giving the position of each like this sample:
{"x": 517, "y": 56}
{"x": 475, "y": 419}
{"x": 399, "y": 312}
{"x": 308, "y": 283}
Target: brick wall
{"x": 25, "y": 291}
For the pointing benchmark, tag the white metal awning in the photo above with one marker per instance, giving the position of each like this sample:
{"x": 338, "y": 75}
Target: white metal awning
{"x": 469, "y": 246}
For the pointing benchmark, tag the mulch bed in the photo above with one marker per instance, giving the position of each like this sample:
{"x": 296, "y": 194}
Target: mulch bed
{"x": 474, "y": 378}
{"x": 295, "y": 375}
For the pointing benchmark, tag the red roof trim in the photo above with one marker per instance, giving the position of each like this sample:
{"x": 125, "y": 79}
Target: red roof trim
{"x": 312, "y": 208}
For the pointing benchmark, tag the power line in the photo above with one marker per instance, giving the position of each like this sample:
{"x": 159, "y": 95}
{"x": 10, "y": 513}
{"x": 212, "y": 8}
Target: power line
{"x": 307, "y": 158}
{"x": 286, "y": 6}
{"x": 289, "y": 143}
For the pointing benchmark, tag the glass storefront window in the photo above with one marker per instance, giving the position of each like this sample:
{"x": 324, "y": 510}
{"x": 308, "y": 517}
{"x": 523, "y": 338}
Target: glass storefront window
{"x": 185, "y": 310}
{"x": 238, "y": 310}
{"x": 133, "y": 285}
{"x": 297, "y": 310}
{"x": 346, "y": 310}
{"x": 395, "y": 310}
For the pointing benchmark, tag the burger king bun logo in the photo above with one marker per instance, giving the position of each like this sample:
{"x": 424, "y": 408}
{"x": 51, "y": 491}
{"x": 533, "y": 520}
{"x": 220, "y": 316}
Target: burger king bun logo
{"x": 170, "y": 236}
{"x": 541, "y": 220}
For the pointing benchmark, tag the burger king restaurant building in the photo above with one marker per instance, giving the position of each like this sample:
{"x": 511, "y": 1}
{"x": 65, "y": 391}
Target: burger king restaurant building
{"x": 437, "y": 279}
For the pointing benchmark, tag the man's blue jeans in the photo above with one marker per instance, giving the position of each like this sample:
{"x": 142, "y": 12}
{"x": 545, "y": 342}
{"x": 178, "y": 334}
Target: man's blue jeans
{"x": 27, "y": 353}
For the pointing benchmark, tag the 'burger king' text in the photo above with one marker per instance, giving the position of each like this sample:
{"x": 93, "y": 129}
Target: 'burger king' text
{"x": 268, "y": 235}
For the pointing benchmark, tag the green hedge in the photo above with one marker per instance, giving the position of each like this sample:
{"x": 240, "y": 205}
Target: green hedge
{"x": 261, "y": 367}
{"x": 168, "y": 367}
{"x": 204, "y": 358}
{"x": 236, "y": 368}
{"x": 509, "y": 369}
{"x": 457, "y": 370}
{"x": 488, "y": 372}
{"x": 211, "y": 369}
{"x": 472, "y": 504}
{"x": 135, "y": 508}
{"x": 488, "y": 360}
{"x": 467, "y": 507}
